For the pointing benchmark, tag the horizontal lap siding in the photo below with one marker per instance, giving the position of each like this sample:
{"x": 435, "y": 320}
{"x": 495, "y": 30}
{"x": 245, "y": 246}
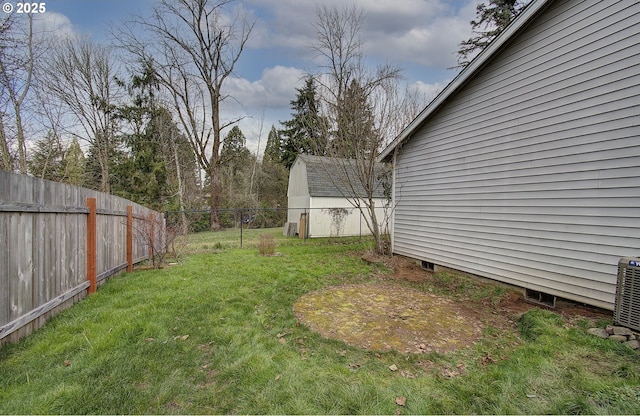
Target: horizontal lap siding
{"x": 530, "y": 174}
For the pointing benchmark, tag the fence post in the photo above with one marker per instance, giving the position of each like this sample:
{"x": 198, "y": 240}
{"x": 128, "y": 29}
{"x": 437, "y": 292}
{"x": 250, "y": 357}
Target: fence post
{"x": 129, "y": 238}
{"x": 91, "y": 244}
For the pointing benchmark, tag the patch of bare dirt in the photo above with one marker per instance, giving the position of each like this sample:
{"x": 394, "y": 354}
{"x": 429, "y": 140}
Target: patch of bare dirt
{"x": 391, "y": 316}
{"x": 383, "y": 317}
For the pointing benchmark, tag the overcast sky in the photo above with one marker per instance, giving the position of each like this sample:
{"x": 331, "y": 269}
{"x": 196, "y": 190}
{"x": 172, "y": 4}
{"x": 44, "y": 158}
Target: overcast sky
{"x": 420, "y": 36}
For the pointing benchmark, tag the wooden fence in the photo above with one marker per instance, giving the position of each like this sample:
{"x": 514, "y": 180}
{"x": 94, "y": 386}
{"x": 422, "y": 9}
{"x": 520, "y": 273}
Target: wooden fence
{"x": 59, "y": 242}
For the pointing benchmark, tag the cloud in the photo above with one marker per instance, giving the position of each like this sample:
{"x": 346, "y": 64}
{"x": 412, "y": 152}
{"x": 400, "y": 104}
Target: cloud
{"x": 426, "y": 32}
{"x": 264, "y": 102}
{"x": 423, "y": 32}
{"x": 53, "y": 25}
{"x": 275, "y": 89}
{"x": 428, "y": 91}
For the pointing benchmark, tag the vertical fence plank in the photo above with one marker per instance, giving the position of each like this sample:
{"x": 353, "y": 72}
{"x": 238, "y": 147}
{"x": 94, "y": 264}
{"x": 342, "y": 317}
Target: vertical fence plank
{"x": 91, "y": 244}
{"x": 129, "y": 238}
{"x": 151, "y": 237}
{"x": 4, "y": 270}
{"x": 5, "y": 279}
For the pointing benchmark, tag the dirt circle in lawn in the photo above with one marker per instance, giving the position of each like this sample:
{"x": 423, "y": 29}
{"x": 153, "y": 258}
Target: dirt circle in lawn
{"x": 385, "y": 317}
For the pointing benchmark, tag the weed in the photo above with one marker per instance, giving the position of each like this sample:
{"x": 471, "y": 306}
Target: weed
{"x": 266, "y": 245}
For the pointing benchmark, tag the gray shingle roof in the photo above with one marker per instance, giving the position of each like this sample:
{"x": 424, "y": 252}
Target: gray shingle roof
{"x": 335, "y": 177}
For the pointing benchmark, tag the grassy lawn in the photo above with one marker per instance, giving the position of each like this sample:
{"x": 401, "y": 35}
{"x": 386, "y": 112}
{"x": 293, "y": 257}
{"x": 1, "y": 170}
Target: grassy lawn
{"x": 216, "y": 334}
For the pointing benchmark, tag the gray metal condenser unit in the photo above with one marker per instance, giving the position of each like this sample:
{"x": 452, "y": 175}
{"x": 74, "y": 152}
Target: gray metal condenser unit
{"x": 627, "y": 310}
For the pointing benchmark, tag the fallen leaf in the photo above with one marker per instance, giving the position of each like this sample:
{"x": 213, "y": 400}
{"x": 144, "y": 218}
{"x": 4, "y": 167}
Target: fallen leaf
{"x": 282, "y": 340}
{"x": 354, "y": 366}
{"x": 67, "y": 363}
{"x": 449, "y": 373}
{"x": 150, "y": 339}
{"x": 401, "y": 401}
{"x": 278, "y": 377}
{"x": 393, "y": 367}
{"x": 488, "y": 359}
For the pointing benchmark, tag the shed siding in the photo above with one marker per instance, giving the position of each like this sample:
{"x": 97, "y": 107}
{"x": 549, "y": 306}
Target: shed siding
{"x": 323, "y": 224}
{"x": 297, "y": 191}
{"x": 530, "y": 174}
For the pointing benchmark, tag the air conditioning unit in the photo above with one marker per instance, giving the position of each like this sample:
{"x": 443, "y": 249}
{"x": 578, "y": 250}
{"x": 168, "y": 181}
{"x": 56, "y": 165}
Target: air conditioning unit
{"x": 627, "y": 309}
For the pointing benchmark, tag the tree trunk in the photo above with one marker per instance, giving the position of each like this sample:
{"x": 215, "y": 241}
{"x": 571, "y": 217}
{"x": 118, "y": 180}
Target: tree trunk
{"x": 22, "y": 146}
{"x": 184, "y": 225}
{"x": 214, "y": 198}
{"x": 7, "y": 163}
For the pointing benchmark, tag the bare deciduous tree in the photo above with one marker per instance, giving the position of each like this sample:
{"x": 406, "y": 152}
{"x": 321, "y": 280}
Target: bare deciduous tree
{"x": 6, "y": 162}
{"x": 195, "y": 45}
{"x": 357, "y": 101}
{"x": 81, "y": 76}
{"x": 16, "y": 71}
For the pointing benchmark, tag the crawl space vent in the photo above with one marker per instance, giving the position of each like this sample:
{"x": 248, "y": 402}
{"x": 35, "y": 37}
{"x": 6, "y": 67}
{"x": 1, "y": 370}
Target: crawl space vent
{"x": 627, "y": 309}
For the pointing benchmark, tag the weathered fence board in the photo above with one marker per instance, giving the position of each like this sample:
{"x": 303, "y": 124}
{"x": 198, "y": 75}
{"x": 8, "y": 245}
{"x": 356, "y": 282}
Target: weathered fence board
{"x": 4, "y": 266}
{"x": 43, "y": 247}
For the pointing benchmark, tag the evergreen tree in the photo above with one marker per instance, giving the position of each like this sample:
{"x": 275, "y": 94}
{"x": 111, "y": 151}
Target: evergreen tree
{"x": 93, "y": 169}
{"x": 491, "y": 19}
{"x": 50, "y": 160}
{"x": 159, "y": 168}
{"x": 141, "y": 175}
{"x": 356, "y": 133}
{"x": 235, "y": 170}
{"x": 306, "y": 131}
{"x": 47, "y": 159}
{"x": 183, "y": 185}
{"x": 272, "y": 181}
{"x": 273, "y": 150}
{"x": 234, "y": 149}
{"x": 74, "y": 164}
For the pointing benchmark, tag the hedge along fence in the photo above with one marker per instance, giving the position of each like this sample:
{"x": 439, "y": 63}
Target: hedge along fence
{"x": 59, "y": 242}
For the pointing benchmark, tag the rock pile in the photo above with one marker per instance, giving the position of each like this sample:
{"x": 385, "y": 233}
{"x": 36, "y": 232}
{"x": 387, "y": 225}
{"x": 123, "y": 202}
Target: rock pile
{"x": 619, "y": 334}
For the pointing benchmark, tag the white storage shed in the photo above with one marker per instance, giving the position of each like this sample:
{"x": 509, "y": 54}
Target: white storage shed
{"x": 319, "y": 192}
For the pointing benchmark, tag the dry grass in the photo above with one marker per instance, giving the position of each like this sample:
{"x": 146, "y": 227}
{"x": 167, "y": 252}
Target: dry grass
{"x": 266, "y": 245}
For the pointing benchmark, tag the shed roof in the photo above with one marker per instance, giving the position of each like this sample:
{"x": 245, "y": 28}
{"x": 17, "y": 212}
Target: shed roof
{"x": 337, "y": 177}
{"x": 480, "y": 61}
